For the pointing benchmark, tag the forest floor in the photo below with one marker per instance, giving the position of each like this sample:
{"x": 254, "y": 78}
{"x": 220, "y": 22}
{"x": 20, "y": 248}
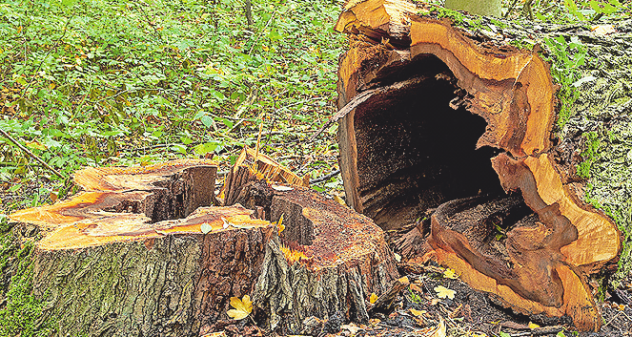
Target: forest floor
{"x": 101, "y": 83}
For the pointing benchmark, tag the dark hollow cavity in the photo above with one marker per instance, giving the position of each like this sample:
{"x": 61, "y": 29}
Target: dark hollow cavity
{"x": 415, "y": 152}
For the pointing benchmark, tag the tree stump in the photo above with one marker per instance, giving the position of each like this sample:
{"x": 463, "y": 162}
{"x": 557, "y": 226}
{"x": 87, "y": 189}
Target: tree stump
{"x": 329, "y": 259}
{"x": 143, "y": 252}
{"x": 432, "y": 115}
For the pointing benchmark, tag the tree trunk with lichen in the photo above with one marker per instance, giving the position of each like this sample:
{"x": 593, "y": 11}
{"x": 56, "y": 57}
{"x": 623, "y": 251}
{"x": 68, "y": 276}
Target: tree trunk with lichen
{"x": 445, "y": 124}
{"x": 143, "y": 252}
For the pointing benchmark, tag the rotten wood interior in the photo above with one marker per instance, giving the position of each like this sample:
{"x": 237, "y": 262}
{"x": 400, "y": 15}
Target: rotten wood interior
{"x": 453, "y": 133}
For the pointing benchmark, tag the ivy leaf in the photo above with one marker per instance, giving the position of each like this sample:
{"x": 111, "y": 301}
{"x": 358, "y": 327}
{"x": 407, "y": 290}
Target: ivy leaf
{"x": 443, "y": 292}
{"x": 243, "y": 307}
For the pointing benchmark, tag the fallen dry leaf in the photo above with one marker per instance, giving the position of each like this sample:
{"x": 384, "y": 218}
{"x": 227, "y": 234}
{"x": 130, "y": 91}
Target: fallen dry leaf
{"x": 243, "y": 307}
{"x": 339, "y": 200}
{"x": 417, "y": 313}
{"x": 602, "y": 30}
{"x": 443, "y": 292}
{"x": 282, "y": 188}
{"x": 533, "y": 325}
{"x": 450, "y": 273}
{"x": 280, "y": 224}
{"x": 416, "y": 288}
{"x": 373, "y": 298}
{"x": 441, "y": 330}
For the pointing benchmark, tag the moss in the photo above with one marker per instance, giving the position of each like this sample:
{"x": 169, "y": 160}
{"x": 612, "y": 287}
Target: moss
{"x": 21, "y": 310}
{"x": 589, "y": 155}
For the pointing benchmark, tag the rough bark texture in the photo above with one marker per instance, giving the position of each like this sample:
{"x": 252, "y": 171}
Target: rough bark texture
{"x": 344, "y": 255}
{"x": 126, "y": 258}
{"x": 177, "y": 285}
{"x": 412, "y": 91}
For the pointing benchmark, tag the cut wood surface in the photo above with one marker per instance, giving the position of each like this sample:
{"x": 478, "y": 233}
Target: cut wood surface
{"x": 127, "y": 257}
{"x": 424, "y": 107}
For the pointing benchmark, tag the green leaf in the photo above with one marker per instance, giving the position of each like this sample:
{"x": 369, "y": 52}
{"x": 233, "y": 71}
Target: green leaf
{"x": 217, "y": 95}
{"x": 274, "y": 35}
{"x": 503, "y": 334}
{"x": 207, "y": 121}
{"x": 615, "y": 3}
{"x": 572, "y": 8}
{"x": 179, "y": 148}
{"x": 205, "y": 148}
{"x": 68, "y": 3}
{"x": 14, "y": 188}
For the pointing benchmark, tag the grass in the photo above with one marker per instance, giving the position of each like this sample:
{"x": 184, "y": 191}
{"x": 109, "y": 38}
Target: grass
{"x": 97, "y": 82}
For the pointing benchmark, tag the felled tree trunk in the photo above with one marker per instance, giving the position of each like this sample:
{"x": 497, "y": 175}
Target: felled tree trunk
{"x": 142, "y": 252}
{"x": 444, "y": 121}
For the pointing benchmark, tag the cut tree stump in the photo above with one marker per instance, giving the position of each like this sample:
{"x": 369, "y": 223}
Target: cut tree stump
{"x": 142, "y": 252}
{"x": 441, "y": 121}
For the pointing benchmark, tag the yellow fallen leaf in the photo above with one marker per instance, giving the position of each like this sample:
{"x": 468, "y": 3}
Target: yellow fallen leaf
{"x": 443, "y": 292}
{"x": 441, "y": 330}
{"x": 533, "y": 325}
{"x": 417, "y": 313}
{"x": 373, "y": 298}
{"x": 602, "y": 30}
{"x": 280, "y": 224}
{"x": 450, "y": 273}
{"x": 243, "y": 307}
{"x": 339, "y": 200}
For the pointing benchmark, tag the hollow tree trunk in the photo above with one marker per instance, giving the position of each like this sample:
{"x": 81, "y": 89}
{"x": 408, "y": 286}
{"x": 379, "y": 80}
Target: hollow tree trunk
{"x": 412, "y": 91}
{"x": 142, "y": 252}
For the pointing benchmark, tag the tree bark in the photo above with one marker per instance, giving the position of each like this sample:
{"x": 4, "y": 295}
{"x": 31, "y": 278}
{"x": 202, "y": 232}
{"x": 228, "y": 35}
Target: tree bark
{"x": 143, "y": 252}
{"x": 417, "y": 95}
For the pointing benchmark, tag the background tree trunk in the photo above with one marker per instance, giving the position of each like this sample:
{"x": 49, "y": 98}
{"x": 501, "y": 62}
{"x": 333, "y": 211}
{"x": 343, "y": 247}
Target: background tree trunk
{"x": 439, "y": 120}
{"x": 479, "y": 7}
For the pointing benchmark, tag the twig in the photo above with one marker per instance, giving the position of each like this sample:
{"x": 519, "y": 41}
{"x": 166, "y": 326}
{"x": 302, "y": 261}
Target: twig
{"x": 246, "y": 104}
{"x": 511, "y": 7}
{"x": 153, "y": 26}
{"x": 325, "y": 177}
{"x": 31, "y": 154}
{"x": 361, "y": 98}
{"x": 526, "y": 9}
